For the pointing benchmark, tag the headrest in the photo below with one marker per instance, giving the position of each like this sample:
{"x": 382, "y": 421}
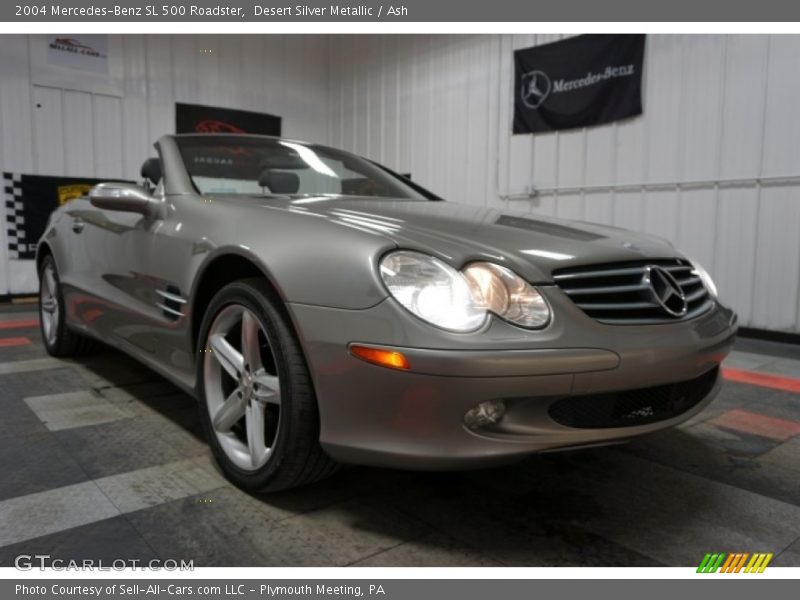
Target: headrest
{"x": 279, "y": 182}
{"x": 151, "y": 169}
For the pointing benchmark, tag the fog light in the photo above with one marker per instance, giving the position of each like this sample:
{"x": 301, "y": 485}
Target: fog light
{"x": 484, "y": 414}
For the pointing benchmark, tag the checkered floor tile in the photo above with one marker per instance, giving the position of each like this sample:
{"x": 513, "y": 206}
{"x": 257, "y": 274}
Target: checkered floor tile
{"x": 100, "y": 458}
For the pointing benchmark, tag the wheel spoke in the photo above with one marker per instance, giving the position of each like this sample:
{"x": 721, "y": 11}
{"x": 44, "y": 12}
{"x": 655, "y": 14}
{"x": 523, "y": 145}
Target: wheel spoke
{"x": 51, "y": 281}
{"x": 230, "y": 412}
{"x": 267, "y": 388}
{"x": 227, "y": 355}
{"x": 49, "y": 305}
{"x": 251, "y": 349}
{"x": 256, "y": 443}
{"x": 238, "y": 346}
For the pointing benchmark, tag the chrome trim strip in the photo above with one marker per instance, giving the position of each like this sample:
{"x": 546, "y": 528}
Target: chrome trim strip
{"x": 696, "y": 295}
{"x": 172, "y": 297}
{"x": 167, "y": 309}
{"x": 607, "y": 289}
{"x": 689, "y": 281}
{"x": 692, "y": 314}
{"x": 620, "y": 271}
{"x": 603, "y": 273}
{"x": 617, "y": 305}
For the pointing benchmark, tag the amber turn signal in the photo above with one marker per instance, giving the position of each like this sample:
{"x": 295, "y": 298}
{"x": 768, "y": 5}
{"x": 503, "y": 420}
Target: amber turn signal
{"x": 383, "y": 358}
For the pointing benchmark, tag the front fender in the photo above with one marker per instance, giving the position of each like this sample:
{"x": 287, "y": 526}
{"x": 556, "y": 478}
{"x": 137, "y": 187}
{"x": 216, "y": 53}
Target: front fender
{"x": 308, "y": 260}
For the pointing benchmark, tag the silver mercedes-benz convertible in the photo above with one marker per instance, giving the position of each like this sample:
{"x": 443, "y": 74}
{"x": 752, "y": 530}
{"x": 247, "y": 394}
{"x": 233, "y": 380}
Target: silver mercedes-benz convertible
{"x": 325, "y": 310}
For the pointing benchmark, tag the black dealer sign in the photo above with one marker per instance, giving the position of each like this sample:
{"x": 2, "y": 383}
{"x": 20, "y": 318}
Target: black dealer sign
{"x": 196, "y": 118}
{"x": 29, "y": 201}
{"x": 578, "y": 82}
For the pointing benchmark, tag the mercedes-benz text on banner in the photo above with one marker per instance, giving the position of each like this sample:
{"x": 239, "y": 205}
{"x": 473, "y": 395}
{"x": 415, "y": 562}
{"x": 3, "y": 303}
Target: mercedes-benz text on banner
{"x": 578, "y": 82}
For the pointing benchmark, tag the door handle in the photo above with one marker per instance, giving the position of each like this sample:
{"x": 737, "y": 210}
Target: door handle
{"x": 78, "y": 225}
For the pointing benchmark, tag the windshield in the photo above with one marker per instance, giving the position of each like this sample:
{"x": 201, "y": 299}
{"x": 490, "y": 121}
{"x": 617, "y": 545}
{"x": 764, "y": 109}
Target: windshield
{"x": 265, "y": 166}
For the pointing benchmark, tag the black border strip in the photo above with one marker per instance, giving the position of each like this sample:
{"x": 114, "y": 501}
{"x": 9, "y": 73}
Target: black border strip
{"x": 10, "y": 298}
{"x": 769, "y": 336}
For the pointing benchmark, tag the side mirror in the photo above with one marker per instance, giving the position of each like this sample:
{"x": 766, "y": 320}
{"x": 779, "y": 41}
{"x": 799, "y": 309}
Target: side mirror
{"x": 124, "y": 197}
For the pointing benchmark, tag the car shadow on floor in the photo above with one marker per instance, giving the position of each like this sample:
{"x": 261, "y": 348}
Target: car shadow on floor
{"x": 118, "y": 376}
{"x": 655, "y": 502}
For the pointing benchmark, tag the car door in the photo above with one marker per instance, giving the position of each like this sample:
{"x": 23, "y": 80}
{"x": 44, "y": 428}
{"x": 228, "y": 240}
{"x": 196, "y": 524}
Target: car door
{"x": 76, "y": 236}
{"x": 104, "y": 270}
{"x": 135, "y": 275}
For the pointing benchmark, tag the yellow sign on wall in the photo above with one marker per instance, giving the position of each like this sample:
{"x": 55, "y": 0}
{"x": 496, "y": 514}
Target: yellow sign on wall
{"x": 72, "y": 191}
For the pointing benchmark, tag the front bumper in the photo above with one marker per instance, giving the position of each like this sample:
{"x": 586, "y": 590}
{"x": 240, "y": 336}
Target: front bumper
{"x": 414, "y": 419}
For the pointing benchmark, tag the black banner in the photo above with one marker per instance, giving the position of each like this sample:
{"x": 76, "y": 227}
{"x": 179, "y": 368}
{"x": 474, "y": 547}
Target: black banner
{"x": 262, "y": 584}
{"x": 196, "y": 118}
{"x": 578, "y": 82}
{"x": 29, "y": 201}
{"x": 274, "y": 15}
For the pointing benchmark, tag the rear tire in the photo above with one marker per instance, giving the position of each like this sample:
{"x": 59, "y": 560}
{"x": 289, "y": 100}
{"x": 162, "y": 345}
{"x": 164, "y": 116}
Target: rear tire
{"x": 257, "y": 401}
{"x": 58, "y": 339}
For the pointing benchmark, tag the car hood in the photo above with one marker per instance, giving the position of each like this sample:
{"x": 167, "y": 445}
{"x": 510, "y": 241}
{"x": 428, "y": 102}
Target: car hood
{"x": 532, "y": 245}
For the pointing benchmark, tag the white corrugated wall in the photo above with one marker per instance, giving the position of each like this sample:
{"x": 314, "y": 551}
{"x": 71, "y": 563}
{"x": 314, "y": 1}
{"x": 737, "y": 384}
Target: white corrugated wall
{"x": 702, "y": 167}
{"x": 713, "y": 164}
{"x": 51, "y": 131}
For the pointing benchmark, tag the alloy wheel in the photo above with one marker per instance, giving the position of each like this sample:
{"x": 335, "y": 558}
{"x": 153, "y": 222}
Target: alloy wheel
{"x": 242, "y": 387}
{"x": 49, "y": 308}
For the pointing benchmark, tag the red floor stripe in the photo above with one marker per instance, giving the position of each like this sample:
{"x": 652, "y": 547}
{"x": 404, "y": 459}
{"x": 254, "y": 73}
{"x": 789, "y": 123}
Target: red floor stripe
{"x": 15, "y": 341}
{"x": 777, "y": 382}
{"x": 756, "y": 424}
{"x": 20, "y": 324}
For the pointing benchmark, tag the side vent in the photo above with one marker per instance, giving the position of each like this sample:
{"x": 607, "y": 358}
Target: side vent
{"x": 171, "y": 303}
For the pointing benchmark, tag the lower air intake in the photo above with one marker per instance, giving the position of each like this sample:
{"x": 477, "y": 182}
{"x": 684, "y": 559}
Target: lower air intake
{"x": 632, "y": 407}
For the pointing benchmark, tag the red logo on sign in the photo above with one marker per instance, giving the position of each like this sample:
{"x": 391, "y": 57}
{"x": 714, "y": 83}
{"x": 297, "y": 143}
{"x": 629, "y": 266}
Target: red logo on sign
{"x": 214, "y": 126}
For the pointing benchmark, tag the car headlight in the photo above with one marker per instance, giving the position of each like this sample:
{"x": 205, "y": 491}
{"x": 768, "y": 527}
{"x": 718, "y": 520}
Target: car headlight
{"x": 507, "y": 295}
{"x": 432, "y": 290}
{"x": 441, "y": 295}
{"x": 704, "y": 277}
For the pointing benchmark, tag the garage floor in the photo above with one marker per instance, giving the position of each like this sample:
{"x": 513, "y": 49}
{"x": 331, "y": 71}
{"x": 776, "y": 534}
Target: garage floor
{"x": 103, "y": 459}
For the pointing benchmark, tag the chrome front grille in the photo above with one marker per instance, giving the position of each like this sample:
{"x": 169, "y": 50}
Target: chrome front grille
{"x": 637, "y": 292}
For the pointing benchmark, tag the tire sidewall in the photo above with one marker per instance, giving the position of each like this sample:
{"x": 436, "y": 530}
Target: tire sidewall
{"x": 277, "y": 331}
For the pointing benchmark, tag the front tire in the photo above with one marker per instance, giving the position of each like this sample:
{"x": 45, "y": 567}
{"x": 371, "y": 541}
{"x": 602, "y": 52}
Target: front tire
{"x": 257, "y": 400}
{"x": 58, "y": 339}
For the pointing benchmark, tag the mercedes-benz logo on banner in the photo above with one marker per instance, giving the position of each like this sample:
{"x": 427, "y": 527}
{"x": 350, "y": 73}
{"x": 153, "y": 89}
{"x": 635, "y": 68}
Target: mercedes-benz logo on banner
{"x": 536, "y": 88}
{"x": 665, "y": 290}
